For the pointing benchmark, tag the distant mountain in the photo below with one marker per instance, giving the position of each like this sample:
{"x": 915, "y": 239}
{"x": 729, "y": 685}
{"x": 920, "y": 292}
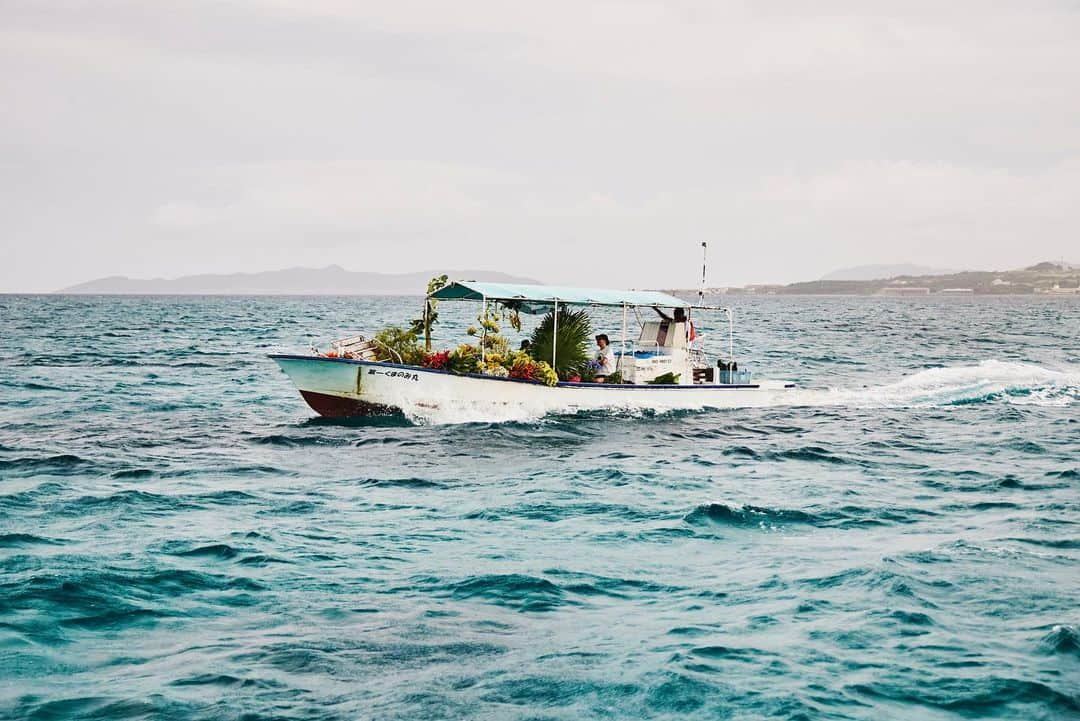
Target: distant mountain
{"x": 881, "y": 272}
{"x": 1052, "y": 267}
{"x": 1048, "y": 278}
{"x": 331, "y": 280}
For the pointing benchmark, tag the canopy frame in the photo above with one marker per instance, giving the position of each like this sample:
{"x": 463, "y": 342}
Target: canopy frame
{"x": 537, "y": 299}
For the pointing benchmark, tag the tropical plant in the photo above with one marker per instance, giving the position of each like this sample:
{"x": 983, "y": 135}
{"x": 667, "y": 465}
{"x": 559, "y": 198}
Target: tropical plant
{"x": 398, "y": 345}
{"x": 571, "y": 339}
{"x": 489, "y": 320}
{"x": 546, "y": 374}
{"x": 496, "y": 344}
{"x": 423, "y": 324}
{"x": 524, "y": 367}
{"x": 464, "y": 359}
{"x": 665, "y": 379}
{"x": 495, "y": 365}
{"x": 615, "y": 377}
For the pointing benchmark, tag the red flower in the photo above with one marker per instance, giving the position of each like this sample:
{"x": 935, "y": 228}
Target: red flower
{"x": 438, "y": 361}
{"x": 525, "y": 370}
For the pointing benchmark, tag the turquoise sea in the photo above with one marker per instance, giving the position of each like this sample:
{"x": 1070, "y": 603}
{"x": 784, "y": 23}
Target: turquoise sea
{"x": 181, "y": 539}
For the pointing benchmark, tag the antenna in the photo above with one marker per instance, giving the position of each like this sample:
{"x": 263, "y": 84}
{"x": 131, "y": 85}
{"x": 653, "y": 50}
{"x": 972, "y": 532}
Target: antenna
{"x": 704, "y": 258}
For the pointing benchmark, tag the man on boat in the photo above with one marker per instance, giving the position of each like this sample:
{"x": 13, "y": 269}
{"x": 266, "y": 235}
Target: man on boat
{"x": 679, "y": 316}
{"x": 605, "y": 358}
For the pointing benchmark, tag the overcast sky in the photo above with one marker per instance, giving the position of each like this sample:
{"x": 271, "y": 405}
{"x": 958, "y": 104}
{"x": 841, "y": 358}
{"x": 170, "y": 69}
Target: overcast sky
{"x": 575, "y": 142}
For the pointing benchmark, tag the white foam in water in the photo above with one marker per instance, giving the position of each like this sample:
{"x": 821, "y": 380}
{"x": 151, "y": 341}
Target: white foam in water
{"x": 942, "y": 386}
{"x": 1017, "y": 383}
{"x": 466, "y": 412}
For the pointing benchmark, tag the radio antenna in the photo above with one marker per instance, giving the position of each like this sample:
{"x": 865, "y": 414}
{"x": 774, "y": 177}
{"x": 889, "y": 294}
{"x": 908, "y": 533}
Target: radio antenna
{"x": 704, "y": 258}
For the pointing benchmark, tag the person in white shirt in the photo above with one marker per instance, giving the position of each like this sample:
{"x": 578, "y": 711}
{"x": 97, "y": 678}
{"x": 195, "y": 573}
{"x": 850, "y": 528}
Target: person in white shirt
{"x": 605, "y": 358}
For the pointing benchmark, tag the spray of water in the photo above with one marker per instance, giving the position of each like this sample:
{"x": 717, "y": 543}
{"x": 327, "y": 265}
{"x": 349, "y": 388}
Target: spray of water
{"x": 988, "y": 381}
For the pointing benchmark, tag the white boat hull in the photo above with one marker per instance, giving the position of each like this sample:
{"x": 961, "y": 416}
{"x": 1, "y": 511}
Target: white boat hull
{"x": 339, "y": 387}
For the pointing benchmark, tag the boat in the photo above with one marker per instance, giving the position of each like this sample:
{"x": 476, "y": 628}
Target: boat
{"x": 663, "y": 366}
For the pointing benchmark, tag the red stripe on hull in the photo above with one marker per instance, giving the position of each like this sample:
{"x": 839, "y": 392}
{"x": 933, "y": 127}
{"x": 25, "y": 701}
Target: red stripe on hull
{"x": 338, "y": 407}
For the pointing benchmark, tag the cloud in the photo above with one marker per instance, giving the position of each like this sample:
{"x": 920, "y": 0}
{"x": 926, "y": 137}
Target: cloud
{"x": 550, "y": 138}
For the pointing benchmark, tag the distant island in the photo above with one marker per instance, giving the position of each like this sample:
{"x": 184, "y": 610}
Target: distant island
{"x": 331, "y": 280}
{"x": 876, "y": 272}
{"x": 1048, "y": 278}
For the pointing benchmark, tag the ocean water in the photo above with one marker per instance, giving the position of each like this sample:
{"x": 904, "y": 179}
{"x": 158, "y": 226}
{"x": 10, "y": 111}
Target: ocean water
{"x": 181, "y": 539}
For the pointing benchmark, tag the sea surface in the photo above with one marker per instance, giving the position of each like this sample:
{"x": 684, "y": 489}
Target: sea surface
{"x": 180, "y": 537}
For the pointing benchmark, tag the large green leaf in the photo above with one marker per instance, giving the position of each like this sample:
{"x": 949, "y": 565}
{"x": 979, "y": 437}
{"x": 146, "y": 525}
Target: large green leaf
{"x": 574, "y": 336}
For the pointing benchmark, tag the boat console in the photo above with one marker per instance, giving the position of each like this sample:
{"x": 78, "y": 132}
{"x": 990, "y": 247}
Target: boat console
{"x": 664, "y": 346}
{"x": 661, "y": 348}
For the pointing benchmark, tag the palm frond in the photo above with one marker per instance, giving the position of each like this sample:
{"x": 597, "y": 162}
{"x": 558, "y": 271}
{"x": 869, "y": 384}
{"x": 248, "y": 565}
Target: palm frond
{"x": 571, "y": 338}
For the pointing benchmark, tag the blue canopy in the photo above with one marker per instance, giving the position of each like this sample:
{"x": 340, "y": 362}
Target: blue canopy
{"x": 538, "y": 298}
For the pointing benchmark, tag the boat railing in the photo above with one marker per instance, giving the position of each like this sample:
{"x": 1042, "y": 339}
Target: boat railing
{"x": 400, "y": 360}
{"x": 728, "y": 377}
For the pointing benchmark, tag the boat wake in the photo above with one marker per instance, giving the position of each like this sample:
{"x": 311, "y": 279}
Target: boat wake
{"x": 986, "y": 382}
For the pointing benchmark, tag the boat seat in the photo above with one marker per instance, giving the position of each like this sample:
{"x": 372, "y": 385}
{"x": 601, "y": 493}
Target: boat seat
{"x": 355, "y": 347}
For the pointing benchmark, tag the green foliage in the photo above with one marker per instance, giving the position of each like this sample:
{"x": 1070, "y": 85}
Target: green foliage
{"x": 489, "y": 321}
{"x": 437, "y": 283}
{"x": 666, "y": 379}
{"x": 464, "y": 359}
{"x": 574, "y": 333}
{"x": 398, "y": 345}
{"x": 496, "y": 364}
{"x": 495, "y": 343}
{"x": 545, "y": 373}
{"x": 615, "y": 377}
{"x": 522, "y": 366}
{"x": 423, "y": 324}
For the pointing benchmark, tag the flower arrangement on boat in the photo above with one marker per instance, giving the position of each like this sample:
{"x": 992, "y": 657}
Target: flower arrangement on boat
{"x": 491, "y": 354}
{"x": 467, "y": 359}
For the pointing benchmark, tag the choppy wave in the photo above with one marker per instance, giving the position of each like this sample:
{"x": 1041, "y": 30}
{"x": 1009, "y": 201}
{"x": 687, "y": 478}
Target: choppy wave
{"x": 846, "y": 516}
{"x": 181, "y": 538}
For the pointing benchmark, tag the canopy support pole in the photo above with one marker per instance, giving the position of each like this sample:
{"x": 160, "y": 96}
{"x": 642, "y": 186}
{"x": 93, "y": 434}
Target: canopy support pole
{"x": 554, "y": 334}
{"x": 622, "y": 349}
{"x": 427, "y": 325}
{"x": 731, "y": 335}
{"x": 704, "y": 258}
{"x": 483, "y": 335}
